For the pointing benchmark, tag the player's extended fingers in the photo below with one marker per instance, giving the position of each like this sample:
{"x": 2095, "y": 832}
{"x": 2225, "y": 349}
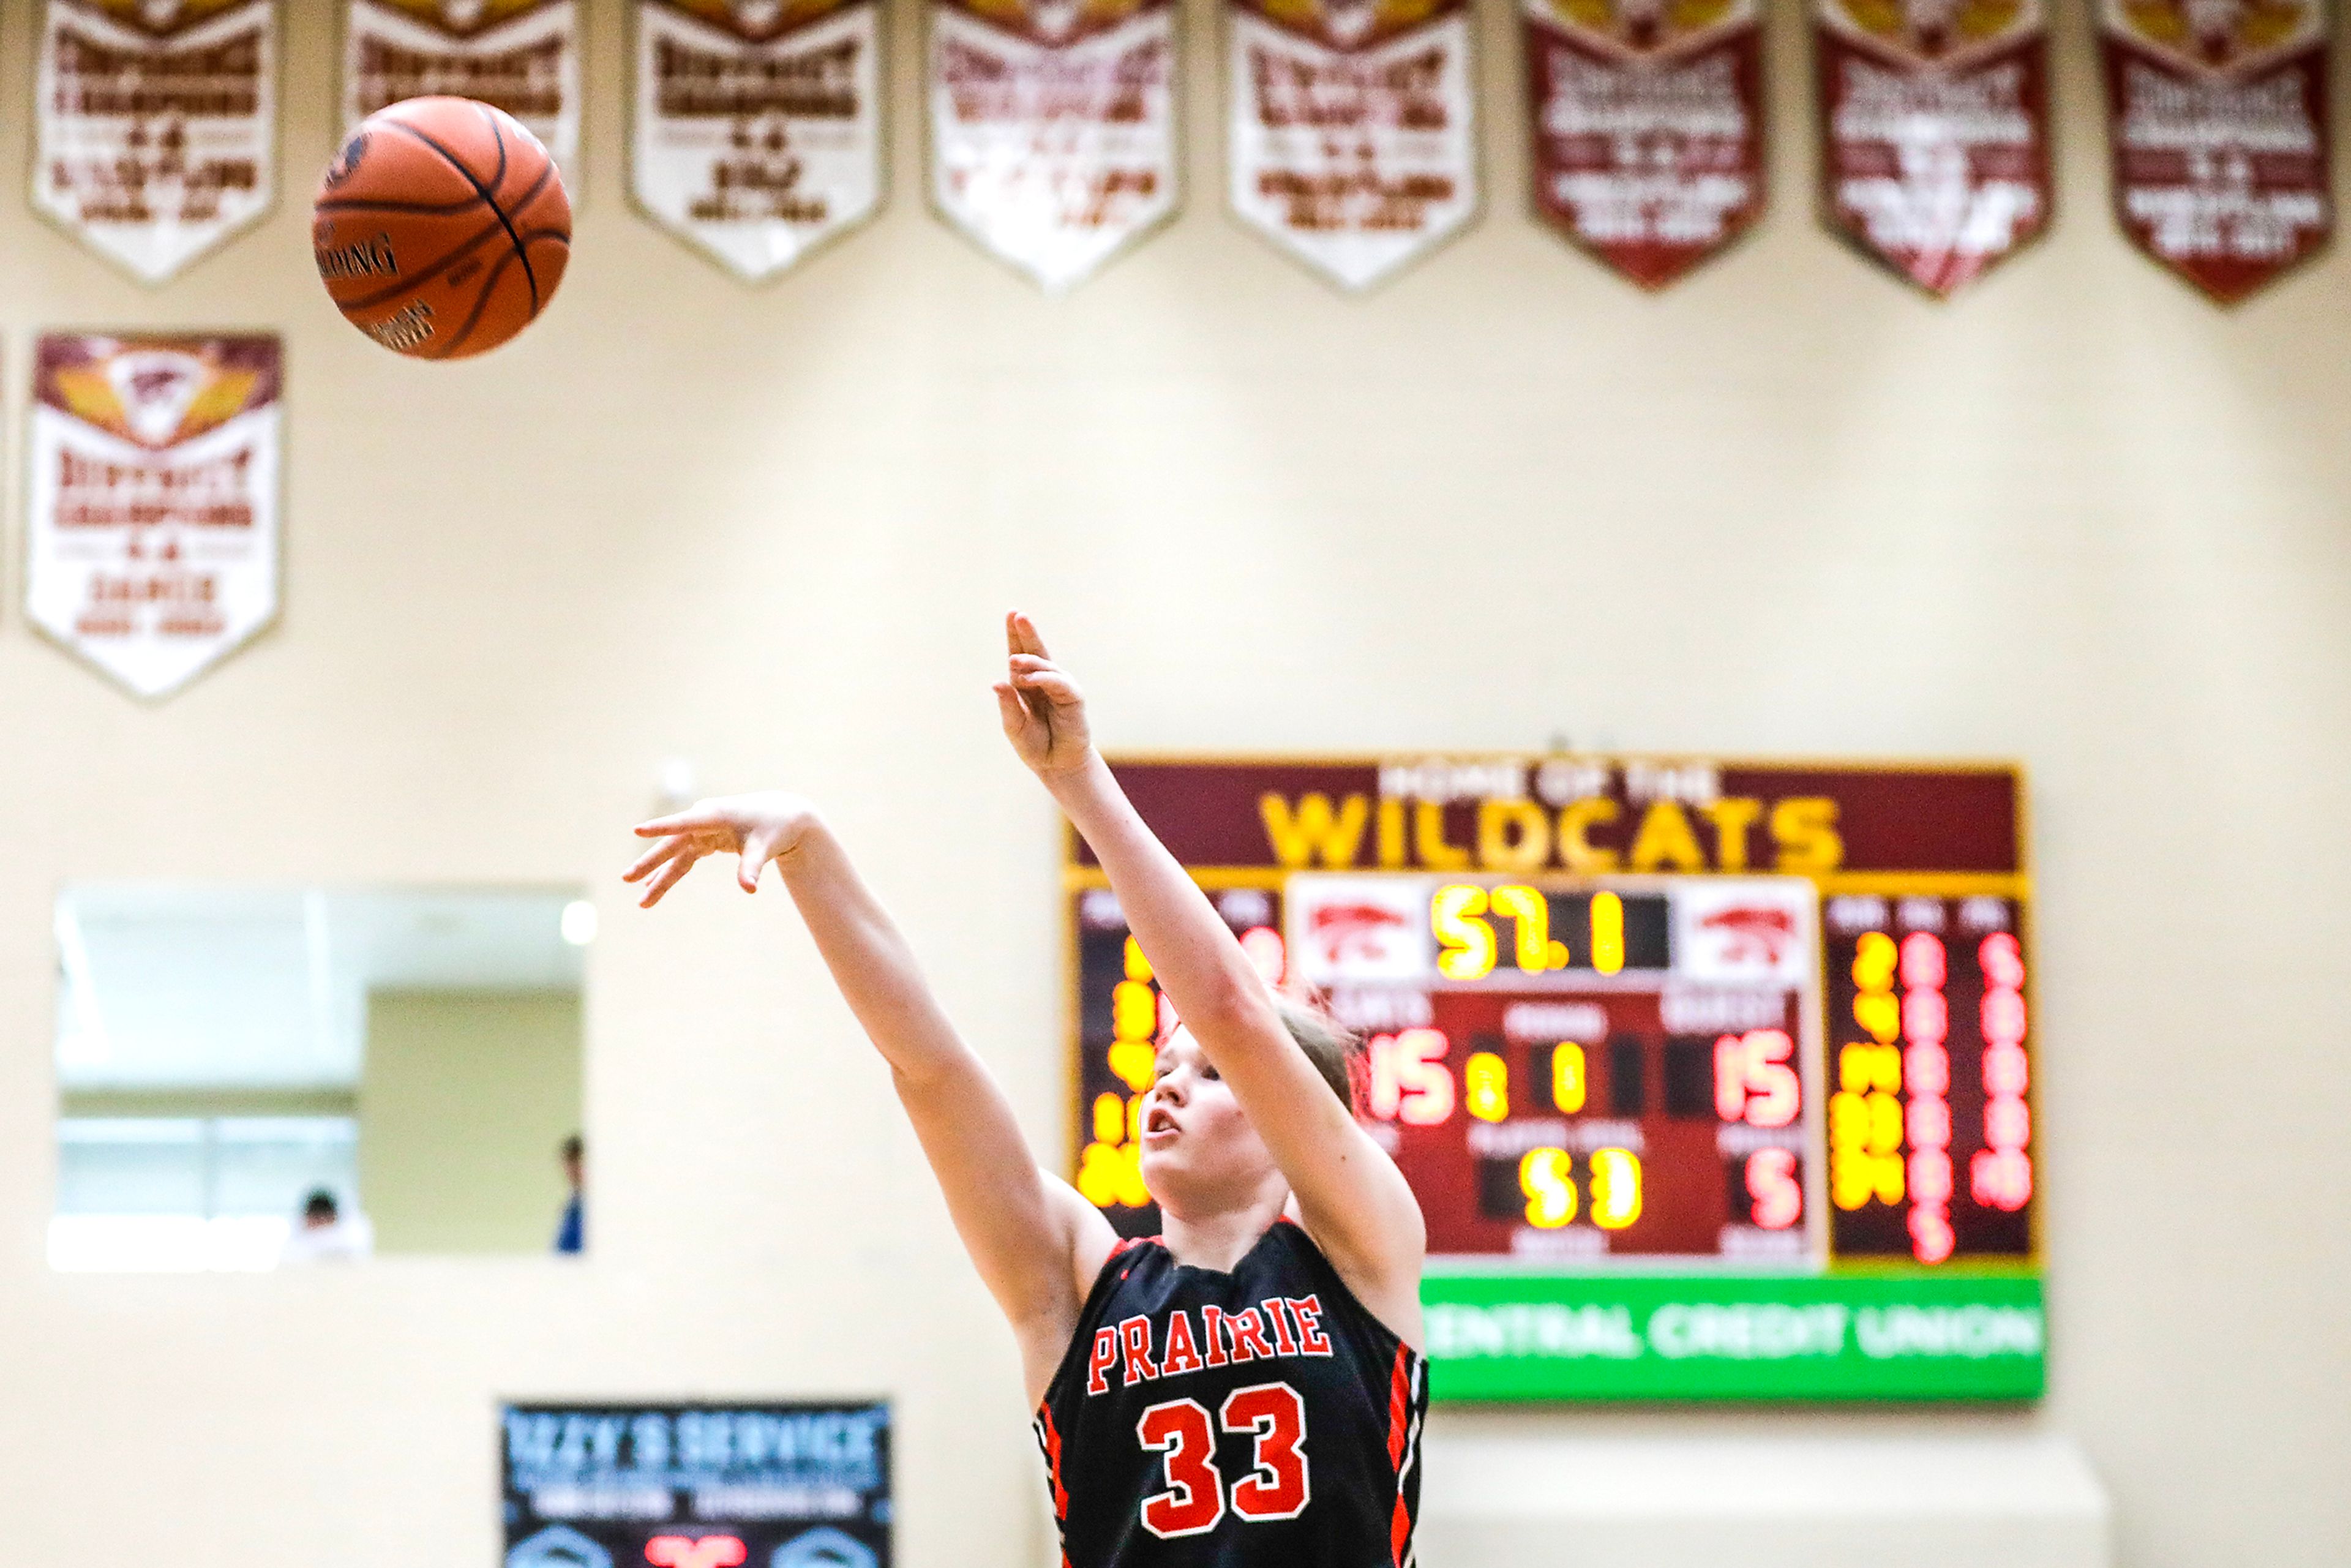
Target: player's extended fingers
{"x": 1025, "y": 637}
{"x": 1008, "y": 704}
{"x": 669, "y": 878}
{"x": 653, "y": 858}
{"x": 1055, "y": 686}
{"x": 693, "y": 819}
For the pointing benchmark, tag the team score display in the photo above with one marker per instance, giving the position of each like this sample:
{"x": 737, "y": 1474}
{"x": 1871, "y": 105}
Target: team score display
{"x": 1195, "y": 1499}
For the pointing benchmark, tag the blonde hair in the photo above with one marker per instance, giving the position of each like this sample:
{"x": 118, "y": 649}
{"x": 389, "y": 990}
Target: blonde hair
{"x": 1330, "y": 1045}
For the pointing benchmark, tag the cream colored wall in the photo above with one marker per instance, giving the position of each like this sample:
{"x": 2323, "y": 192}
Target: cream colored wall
{"x": 2078, "y": 517}
{"x": 464, "y": 1097}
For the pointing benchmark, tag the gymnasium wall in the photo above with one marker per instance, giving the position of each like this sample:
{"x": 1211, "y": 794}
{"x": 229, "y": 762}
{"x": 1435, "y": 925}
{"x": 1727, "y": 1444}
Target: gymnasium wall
{"x": 2078, "y": 516}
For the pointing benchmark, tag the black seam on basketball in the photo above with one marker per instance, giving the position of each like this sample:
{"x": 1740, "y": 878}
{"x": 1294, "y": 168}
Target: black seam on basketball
{"x": 498, "y": 135}
{"x": 416, "y": 276}
{"x": 488, "y": 200}
{"x": 481, "y": 303}
{"x": 360, "y": 205}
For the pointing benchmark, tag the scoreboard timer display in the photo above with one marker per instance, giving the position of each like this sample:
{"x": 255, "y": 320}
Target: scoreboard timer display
{"x": 1714, "y": 1079}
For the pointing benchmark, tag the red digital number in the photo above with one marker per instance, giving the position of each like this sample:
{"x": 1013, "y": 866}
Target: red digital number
{"x": 1195, "y": 1499}
{"x": 1772, "y": 1183}
{"x": 688, "y": 1551}
{"x": 1752, "y": 1080}
{"x": 1409, "y": 1081}
{"x": 1278, "y": 1488}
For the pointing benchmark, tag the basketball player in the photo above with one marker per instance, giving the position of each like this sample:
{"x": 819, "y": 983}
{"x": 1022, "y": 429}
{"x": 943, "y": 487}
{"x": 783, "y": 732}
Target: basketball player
{"x": 1245, "y": 1390}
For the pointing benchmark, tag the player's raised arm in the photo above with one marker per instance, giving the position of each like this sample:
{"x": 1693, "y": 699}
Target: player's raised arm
{"x": 1354, "y": 1200}
{"x": 1037, "y": 1243}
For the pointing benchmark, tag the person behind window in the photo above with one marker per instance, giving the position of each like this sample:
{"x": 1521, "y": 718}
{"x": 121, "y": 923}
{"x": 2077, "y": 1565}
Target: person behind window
{"x": 571, "y": 1234}
{"x": 325, "y": 1236}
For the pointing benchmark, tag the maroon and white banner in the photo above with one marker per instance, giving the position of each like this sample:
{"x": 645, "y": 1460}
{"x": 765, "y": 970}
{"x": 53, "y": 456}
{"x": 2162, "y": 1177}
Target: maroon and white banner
{"x": 1935, "y": 131}
{"x": 156, "y": 125}
{"x": 520, "y": 56}
{"x": 153, "y": 544}
{"x": 1350, "y": 129}
{"x": 756, "y": 130}
{"x": 2216, "y": 111}
{"x": 1648, "y": 127}
{"x": 1053, "y": 127}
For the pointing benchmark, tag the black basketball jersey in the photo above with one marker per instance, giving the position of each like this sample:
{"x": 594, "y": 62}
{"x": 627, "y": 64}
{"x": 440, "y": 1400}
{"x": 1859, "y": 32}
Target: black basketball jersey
{"x": 1257, "y": 1419}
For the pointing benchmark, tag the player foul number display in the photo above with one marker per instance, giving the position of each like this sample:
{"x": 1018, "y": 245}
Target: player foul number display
{"x": 1713, "y": 1077}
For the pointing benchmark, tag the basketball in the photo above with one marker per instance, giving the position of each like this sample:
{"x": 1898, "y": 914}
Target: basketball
{"x": 442, "y": 228}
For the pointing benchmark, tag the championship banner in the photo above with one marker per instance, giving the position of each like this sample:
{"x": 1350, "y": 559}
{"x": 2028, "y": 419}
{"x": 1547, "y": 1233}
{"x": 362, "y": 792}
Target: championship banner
{"x": 156, "y": 125}
{"x": 151, "y": 543}
{"x": 757, "y": 128}
{"x": 1648, "y": 127}
{"x": 1350, "y": 129}
{"x": 520, "y": 56}
{"x": 1935, "y": 131}
{"x": 2216, "y": 111}
{"x": 1053, "y": 127}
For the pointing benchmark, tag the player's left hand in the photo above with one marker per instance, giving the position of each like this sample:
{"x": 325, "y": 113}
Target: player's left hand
{"x": 756, "y": 828}
{"x": 1043, "y": 711}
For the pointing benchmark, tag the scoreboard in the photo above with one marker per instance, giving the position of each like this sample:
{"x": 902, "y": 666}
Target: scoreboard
{"x": 1714, "y": 1079}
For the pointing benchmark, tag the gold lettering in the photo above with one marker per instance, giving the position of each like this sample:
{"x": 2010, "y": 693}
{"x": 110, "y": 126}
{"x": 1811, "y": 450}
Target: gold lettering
{"x": 1577, "y": 852}
{"x": 1313, "y": 829}
{"x": 1512, "y": 835}
{"x": 1804, "y": 827}
{"x": 1428, "y": 827}
{"x": 1732, "y": 816}
{"x": 1392, "y": 851}
{"x": 1666, "y": 836}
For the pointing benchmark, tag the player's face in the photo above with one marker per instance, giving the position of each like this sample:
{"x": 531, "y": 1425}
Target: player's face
{"x": 1199, "y": 1151}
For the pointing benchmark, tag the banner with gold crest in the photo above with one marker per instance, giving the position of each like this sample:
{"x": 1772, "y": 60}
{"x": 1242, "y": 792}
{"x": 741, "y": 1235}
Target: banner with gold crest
{"x": 756, "y": 131}
{"x": 520, "y": 56}
{"x": 1648, "y": 127}
{"x": 2217, "y": 114}
{"x": 1053, "y": 127}
{"x": 156, "y": 125}
{"x": 1935, "y": 131}
{"x": 153, "y": 543}
{"x": 1350, "y": 129}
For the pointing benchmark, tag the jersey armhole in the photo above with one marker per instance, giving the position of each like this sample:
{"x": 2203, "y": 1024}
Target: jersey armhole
{"x": 1104, "y": 1282}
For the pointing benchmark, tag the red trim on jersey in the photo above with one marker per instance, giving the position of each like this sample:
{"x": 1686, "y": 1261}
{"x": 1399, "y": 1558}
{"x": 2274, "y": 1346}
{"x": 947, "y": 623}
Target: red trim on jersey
{"x": 1399, "y": 1531}
{"x": 1399, "y": 1406}
{"x": 1053, "y": 1460}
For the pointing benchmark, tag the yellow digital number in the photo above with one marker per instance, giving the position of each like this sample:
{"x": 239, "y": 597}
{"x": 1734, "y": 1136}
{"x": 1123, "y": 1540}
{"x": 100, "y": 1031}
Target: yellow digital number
{"x": 1607, "y": 933}
{"x": 1138, "y": 968}
{"x": 1454, "y": 915}
{"x": 1134, "y": 1011}
{"x": 1528, "y": 913}
{"x": 1615, "y": 1188}
{"x": 1874, "y": 958}
{"x": 1109, "y": 1119}
{"x": 1543, "y": 1177}
{"x": 1567, "y": 1076}
{"x": 1486, "y": 1086}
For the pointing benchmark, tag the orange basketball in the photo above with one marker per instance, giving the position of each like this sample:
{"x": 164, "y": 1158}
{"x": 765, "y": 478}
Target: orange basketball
{"x": 442, "y": 228}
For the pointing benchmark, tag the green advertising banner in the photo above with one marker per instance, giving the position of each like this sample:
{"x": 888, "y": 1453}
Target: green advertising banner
{"x": 1837, "y": 1336}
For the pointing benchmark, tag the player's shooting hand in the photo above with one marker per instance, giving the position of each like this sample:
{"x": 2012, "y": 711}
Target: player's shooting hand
{"x": 1044, "y": 713}
{"x": 756, "y": 828}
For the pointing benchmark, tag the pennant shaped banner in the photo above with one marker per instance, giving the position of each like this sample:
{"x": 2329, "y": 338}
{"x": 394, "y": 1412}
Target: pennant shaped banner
{"x": 1053, "y": 127}
{"x": 152, "y": 542}
{"x": 756, "y": 130}
{"x": 520, "y": 56}
{"x": 1648, "y": 127}
{"x": 1350, "y": 129}
{"x": 156, "y": 138}
{"x": 1935, "y": 131}
{"x": 2216, "y": 111}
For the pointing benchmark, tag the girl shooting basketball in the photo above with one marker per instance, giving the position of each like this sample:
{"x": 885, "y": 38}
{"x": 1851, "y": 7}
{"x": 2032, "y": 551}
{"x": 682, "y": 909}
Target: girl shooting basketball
{"x": 1244, "y": 1390}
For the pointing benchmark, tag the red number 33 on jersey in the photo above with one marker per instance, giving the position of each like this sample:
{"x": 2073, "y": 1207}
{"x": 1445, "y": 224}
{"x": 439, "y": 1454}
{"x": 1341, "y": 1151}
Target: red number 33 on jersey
{"x": 1195, "y": 1502}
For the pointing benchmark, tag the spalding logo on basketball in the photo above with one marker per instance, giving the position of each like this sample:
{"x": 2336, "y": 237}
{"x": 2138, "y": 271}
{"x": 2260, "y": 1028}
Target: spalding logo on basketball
{"x": 442, "y": 228}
